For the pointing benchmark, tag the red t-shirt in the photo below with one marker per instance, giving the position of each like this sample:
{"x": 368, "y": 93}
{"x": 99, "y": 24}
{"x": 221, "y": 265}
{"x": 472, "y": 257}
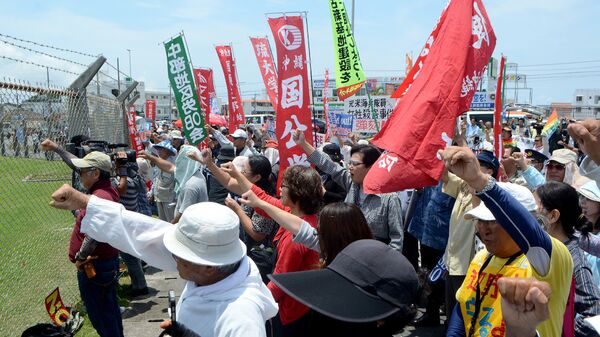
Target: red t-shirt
{"x": 291, "y": 257}
{"x": 102, "y": 189}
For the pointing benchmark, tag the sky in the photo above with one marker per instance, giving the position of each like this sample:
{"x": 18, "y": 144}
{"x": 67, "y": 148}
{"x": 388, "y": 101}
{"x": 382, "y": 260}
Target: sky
{"x": 554, "y": 42}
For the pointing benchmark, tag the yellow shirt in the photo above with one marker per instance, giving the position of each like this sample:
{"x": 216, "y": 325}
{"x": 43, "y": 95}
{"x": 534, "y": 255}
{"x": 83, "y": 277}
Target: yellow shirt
{"x": 490, "y": 322}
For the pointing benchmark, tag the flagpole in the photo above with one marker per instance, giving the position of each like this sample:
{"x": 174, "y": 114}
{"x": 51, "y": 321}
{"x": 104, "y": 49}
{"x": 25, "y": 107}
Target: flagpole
{"x": 309, "y": 63}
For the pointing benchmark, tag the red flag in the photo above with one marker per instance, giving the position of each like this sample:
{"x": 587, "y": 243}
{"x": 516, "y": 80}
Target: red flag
{"x": 293, "y": 110}
{"x": 326, "y": 105}
{"x": 236, "y": 113}
{"x": 423, "y": 121}
{"x": 204, "y": 83}
{"x": 267, "y": 69}
{"x": 498, "y": 112}
{"x": 136, "y": 143}
{"x": 151, "y": 109}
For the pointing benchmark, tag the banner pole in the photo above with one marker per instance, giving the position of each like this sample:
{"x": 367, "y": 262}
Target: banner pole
{"x": 309, "y": 63}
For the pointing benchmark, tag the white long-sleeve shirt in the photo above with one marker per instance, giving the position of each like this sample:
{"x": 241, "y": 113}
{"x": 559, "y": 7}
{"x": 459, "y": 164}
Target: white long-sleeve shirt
{"x": 238, "y": 305}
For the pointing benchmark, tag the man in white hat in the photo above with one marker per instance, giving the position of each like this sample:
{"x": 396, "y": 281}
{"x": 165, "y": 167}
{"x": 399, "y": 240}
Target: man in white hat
{"x": 241, "y": 143}
{"x": 224, "y": 294}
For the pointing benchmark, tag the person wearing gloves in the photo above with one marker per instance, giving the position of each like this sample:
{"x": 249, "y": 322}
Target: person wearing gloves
{"x": 515, "y": 246}
{"x": 224, "y": 294}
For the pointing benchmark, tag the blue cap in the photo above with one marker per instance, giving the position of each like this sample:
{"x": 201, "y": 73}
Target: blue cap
{"x": 488, "y": 158}
{"x": 166, "y": 144}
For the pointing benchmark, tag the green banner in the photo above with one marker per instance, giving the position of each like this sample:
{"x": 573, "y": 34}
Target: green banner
{"x": 349, "y": 75}
{"x": 182, "y": 82}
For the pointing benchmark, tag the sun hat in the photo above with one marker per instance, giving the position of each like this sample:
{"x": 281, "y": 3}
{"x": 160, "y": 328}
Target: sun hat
{"x": 207, "y": 234}
{"x": 176, "y": 134}
{"x": 366, "y": 281}
{"x": 521, "y": 193}
{"x": 95, "y": 159}
{"x": 166, "y": 144}
{"x": 239, "y": 133}
{"x": 590, "y": 190}
{"x": 563, "y": 156}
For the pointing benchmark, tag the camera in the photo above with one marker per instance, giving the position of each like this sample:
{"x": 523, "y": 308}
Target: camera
{"x": 131, "y": 155}
{"x": 172, "y": 304}
{"x": 80, "y": 149}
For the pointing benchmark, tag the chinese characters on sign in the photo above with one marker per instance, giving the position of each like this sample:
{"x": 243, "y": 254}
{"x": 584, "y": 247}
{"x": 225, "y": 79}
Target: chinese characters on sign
{"x": 184, "y": 90}
{"x": 358, "y": 107}
{"x": 293, "y": 110}
{"x": 349, "y": 74}
{"x": 151, "y": 109}
{"x": 136, "y": 142}
{"x": 266, "y": 66}
{"x": 236, "y": 113}
{"x": 482, "y": 101}
{"x": 206, "y": 89}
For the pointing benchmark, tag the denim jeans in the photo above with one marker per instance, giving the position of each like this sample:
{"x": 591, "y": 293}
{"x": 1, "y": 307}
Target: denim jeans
{"x": 134, "y": 267}
{"x": 99, "y": 294}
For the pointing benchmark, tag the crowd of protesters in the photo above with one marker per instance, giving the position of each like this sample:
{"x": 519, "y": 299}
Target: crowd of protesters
{"x": 502, "y": 245}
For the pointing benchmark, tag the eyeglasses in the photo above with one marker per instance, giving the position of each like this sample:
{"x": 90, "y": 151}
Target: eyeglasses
{"x": 558, "y": 167}
{"x": 86, "y": 170}
{"x": 354, "y": 163}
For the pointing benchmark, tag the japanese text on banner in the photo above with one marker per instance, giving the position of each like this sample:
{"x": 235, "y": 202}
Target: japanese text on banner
{"x": 349, "y": 75}
{"x": 358, "y": 107}
{"x": 236, "y": 113}
{"x": 206, "y": 89}
{"x": 182, "y": 82}
{"x": 293, "y": 111}
{"x": 262, "y": 50}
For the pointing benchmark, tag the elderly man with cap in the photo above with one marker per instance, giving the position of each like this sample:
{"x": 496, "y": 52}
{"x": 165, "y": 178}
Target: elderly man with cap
{"x": 516, "y": 246}
{"x": 98, "y": 289}
{"x": 241, "y": 143}
{"x": 224, "y": 294}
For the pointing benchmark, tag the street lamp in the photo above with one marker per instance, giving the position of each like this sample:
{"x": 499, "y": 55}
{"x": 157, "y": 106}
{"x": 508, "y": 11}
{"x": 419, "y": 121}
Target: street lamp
{"x": 129, "y": 51}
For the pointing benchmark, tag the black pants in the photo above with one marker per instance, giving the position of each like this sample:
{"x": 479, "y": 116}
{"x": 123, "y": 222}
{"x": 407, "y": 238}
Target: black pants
{"x": 297, "y": 328}
{"x": 410, "y": 249}
{"x": 429, "y": 258}
{"x": 453, "y": 283}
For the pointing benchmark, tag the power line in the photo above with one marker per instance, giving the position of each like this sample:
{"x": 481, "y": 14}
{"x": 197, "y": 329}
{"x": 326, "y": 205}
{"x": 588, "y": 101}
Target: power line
{"x": 48, "y": 46}
{"x": 559, "y": 63}
{"x": 42, "y": 53}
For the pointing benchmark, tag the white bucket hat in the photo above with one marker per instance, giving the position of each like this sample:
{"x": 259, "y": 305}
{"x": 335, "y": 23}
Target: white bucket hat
{"x": 590, "y": 190}
{"x": 521, "y": 193}
{"x": 207, "y": 234}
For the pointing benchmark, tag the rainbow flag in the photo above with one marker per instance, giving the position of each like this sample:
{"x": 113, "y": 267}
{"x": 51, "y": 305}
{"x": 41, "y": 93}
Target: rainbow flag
{"x": 551, "y": 126}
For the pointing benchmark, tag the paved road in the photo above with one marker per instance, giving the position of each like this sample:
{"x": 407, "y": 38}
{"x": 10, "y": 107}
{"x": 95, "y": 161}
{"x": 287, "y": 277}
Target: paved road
{"x": 143, "y": 316}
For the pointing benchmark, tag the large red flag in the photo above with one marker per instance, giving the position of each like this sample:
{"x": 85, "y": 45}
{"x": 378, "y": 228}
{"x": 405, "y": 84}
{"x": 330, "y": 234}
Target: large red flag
{"x": 498, "y": 112}
{"x": 423, "y": 121}
{"x": 205, "y": 87}
{"x": 236, "y": 113}
{"x": 267, "y": 69}
{"x": 293, "y": 110}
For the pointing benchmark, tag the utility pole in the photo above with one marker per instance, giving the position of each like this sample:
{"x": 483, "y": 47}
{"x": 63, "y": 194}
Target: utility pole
{"x": 129, "y": 51}
{"x": 352, "y": 22}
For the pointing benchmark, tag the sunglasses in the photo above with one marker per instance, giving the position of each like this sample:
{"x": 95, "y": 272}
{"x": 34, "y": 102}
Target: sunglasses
{"x": 551, "y": 166}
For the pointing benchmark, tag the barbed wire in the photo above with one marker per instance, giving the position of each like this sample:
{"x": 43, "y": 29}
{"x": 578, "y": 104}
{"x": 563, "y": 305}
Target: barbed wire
{"x": 43, "y": 53}
{"x": 48, "y": 46}
{"x": 38, "y": 65}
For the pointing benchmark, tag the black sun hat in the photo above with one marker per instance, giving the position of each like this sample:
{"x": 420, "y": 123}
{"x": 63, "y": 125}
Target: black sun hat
{"x": 366, "y": 282}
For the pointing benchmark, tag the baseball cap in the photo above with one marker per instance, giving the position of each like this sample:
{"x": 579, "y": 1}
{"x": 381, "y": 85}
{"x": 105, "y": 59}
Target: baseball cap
{"x": 366, "y": 281}
{"x": 536, "y": 155}
{"x": 176, "y": 134}
{"x": 333, "y": 151}
{"x": 207, "y": 234}
{"x": 590, "y": 190}
{"x": 564, "y": 156}
{"x": 239, "y": 133}
{"x": 488, "y": 158}
{"x": 95, "y": 159}
{"x": 521, "y": 193}
{"x": 226, "y": 152}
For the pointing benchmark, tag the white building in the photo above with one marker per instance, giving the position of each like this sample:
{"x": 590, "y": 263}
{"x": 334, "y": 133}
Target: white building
{"x": 586, "y": 103}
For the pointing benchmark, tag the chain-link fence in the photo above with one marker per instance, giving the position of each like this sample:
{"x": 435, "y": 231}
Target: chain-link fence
{"x": 34, "y": 237}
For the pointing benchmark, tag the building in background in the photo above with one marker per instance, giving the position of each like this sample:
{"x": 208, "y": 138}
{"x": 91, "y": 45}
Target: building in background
{"x": 586, "y": 103}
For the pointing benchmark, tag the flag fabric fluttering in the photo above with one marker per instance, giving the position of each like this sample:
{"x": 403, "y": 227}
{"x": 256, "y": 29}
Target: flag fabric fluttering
{"x": 262, "y": 50}
{"x": 551, "y": 125}
{"x": 235, "y": 109}
{"x": 423, "y": 121}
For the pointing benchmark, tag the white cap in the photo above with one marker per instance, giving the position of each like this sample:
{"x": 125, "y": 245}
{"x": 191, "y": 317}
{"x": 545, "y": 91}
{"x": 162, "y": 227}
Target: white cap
{"x": 590, "y": 190}
{"x": 521, "y": 193}
{"x": 239, "y": 133}
{"x": 207, "y": 234}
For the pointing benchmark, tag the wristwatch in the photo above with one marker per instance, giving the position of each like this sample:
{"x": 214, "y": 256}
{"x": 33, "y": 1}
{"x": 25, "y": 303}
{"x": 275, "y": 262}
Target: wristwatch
{"x": 490, "y": 184}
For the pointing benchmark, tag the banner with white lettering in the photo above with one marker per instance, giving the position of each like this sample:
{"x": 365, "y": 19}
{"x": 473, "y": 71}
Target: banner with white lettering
{"x": 151, "y": 110}
{"x": 293, "y": 110}
{"x": 423, "y": 121}
{"x": 136, "y": 142}
{"x": 206, "y": 89}
{"x": 236, "y": 112}
{"x": 262, "y": 50}
{"x": 358, "y": 107}
{"x": 181, "y": 79}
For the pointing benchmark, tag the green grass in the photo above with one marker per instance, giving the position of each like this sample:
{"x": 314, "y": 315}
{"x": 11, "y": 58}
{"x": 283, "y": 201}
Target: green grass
{"x": 34, "y": 239}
